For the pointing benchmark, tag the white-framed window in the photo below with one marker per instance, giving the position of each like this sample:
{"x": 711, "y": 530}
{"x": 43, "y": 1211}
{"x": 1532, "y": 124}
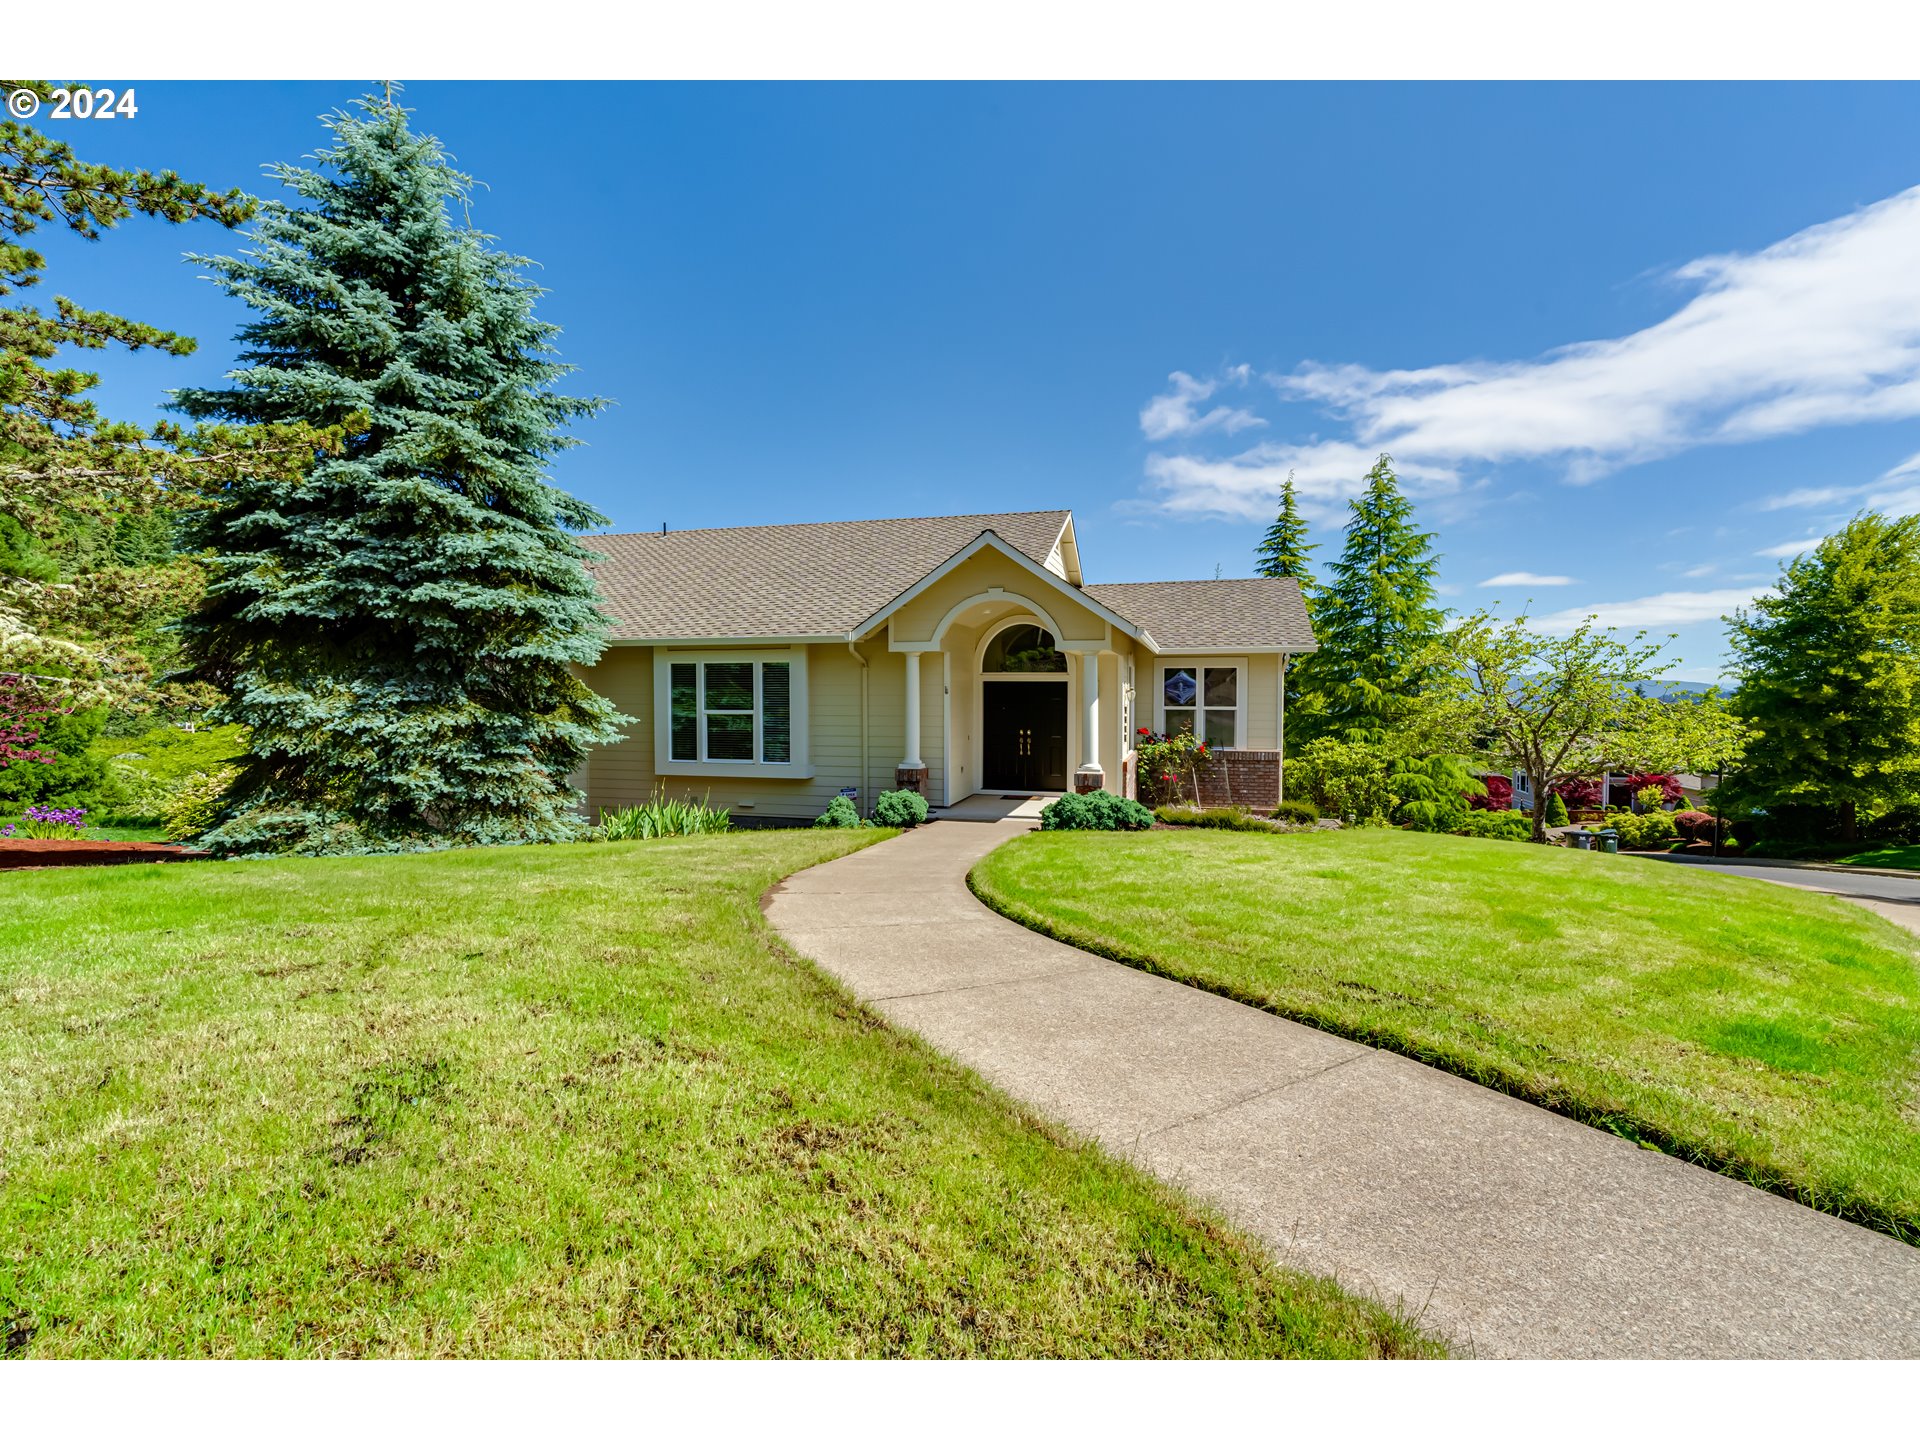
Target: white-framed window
{"x": 1206, "y": 696}
{"x": 730, "y": 712}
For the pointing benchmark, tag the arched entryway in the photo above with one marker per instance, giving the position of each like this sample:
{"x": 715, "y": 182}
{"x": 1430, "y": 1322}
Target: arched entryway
{"x": 1024, "y": 709}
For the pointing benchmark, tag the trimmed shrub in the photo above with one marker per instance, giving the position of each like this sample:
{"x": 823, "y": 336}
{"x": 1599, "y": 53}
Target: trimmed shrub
{"x": 1219, "y": 817}
{"x": 1653, "y": 831}
{"x": 1693, "y": 824}
{"x": 1495, "y": 825}
{"x": 1100, "y": 810}
{"x": 1556, "y": 810}
{"x": 1297, "y": 812}
{"x": 840, "y": 814}
{"x": 902, "y": 809}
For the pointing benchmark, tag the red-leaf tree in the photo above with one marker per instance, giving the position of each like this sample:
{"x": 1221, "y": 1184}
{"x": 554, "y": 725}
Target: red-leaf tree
{"x": 1579, "y": 793}
{"x": 1670, "y": 790}
{"x": 24, "y": 712}
{"x": 1499, "y": 794}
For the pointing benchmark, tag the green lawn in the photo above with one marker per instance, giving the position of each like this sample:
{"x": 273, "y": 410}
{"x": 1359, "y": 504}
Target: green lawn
{"x": 1765, "y": 1031}
{"x": 1900, "y": 857}
{"x": 548, "y": 1101}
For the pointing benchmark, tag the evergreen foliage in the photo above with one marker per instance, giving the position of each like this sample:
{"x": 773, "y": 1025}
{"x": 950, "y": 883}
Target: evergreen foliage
{"x": 397, "y": 627}
{"x": 1376, "y": 620}
{"x": 902, "y": 809}
{"x": 1282, "y": 552}
{"x": 1282, "y": 555}
{"x": 840, "y": 814}
{"x": 1829, "y": 675}
{"x": 75, "y": 614}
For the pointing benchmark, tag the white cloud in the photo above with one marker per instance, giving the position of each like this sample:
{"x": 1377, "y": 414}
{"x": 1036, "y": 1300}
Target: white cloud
{"x": 1675, "y": 607}
{"x": 1525, "y": 577}
{"x": 1177, "y": 412}
{"x": 1790, "y": 548}
{"x": 1822, "y": 328}
{"x": 1896, "y": 493}
{"x": 1325, "y": 476}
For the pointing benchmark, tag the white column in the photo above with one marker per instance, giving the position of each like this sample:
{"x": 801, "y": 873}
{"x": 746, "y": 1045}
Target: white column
{"x": 1090, "y": 721}
{"x": 1282, "y": 713}
{"x": 913, "y": 760}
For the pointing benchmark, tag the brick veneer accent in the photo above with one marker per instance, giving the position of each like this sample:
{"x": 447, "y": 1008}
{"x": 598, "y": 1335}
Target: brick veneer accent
{"x": 1232, "y": 777}
{"x": 911, "y": 777}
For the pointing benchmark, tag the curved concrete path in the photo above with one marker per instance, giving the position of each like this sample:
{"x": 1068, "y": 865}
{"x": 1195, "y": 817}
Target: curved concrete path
{"x": 1511, "y": 1230}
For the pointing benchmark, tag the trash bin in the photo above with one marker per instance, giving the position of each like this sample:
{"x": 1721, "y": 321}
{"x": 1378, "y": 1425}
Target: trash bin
{"x": 1580, "y": 839}
{"x": 1609, "y": 841}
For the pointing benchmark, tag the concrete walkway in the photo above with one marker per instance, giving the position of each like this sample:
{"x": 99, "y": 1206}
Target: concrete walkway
{"x": 1513, "y": 1231}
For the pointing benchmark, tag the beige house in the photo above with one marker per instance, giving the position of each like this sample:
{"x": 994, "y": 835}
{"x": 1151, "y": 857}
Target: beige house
{"x": 773, "y": 667}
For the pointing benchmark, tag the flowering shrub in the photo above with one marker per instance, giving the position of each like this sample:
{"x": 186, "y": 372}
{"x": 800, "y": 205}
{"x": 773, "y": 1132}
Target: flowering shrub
{"x": 43, "y": 822}
{"x": 1165, "y": 760}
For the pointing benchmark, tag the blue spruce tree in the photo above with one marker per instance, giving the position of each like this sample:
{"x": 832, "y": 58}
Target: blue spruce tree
{"x": 398, "y": 626}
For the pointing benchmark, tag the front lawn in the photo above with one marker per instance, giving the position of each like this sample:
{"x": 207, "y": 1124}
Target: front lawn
{"x": 1899, "y": 857}
{"x": 1762, "y": 1030}
{"x": 547, "y": 1101}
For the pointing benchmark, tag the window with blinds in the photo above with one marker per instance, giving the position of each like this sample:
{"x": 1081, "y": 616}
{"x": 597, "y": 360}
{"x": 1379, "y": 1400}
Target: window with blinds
{"x": 737, "y": 711}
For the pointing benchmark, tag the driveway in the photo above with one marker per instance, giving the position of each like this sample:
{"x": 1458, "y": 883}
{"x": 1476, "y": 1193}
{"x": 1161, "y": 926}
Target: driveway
{"x": 1513, "y": 1231}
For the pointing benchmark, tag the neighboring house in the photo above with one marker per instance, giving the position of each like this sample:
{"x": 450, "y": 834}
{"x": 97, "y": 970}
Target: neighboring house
{"x": 773, "y": 667}
{"x": 1618, "y": 793}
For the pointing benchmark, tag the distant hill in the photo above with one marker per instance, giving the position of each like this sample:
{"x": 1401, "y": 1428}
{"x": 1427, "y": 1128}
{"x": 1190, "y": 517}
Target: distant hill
{"x": 1674, "y": 689}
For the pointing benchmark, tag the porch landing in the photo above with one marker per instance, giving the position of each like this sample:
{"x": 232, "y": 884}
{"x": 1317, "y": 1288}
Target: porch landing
{"x": 991, "y": 806}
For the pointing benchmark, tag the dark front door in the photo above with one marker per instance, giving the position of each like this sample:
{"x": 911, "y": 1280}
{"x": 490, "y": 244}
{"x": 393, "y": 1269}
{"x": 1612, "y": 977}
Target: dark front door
{"x": 1025, "y": 739}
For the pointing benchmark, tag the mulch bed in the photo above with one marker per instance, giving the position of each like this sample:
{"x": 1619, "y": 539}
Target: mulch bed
{"x": 19, "y": 853}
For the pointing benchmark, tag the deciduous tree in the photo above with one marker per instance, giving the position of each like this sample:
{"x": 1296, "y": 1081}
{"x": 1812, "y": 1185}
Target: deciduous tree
{"x": 1557, "y": 708}
{"x": 1829, "y": 675}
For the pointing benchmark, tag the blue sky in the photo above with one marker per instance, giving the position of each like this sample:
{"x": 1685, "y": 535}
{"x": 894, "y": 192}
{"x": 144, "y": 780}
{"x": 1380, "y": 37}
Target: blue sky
{"x": 1628, "y": 337}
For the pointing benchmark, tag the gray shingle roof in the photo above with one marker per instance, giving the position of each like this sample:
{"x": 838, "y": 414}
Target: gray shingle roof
{"x": 762, "y": 581}
{"x": 1213, "y": 614}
